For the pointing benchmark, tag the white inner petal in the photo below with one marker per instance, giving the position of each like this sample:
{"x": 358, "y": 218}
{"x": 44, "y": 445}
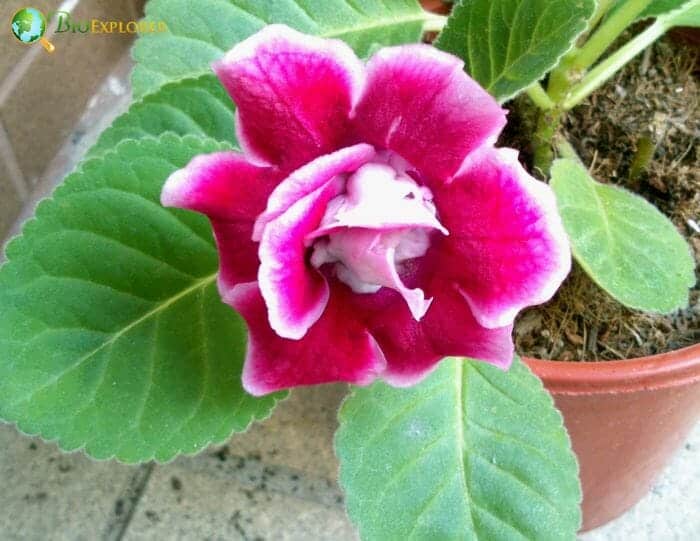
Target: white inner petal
{"x": 382, "y": 218}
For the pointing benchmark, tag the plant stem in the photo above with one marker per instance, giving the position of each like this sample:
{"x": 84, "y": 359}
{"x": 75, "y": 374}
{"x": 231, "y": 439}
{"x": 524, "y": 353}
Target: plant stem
{"x": 563, "y": 90}
{"x": 643, "y": 156}
{"x": 540, "y": 97}
{"x": 601, "y": 10}
{"x": 566, "y": 149}
{"x": 561, "y": 77}
{"x": 607, "y": 33}
{"x": 606, "y": 69}
{"x": 434, "y": 22}
{"x": 547, "y": 127}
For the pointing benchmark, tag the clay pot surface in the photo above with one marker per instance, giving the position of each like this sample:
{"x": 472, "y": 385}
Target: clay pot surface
{"x": 626, "y": 419}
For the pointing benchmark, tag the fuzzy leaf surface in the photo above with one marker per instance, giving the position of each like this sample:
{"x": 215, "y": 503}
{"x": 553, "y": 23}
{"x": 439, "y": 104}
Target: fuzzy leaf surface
{"x": 508, "y": 45}
{"x": 198, "y": 106}
{"x": 201, "y": 32}
{"x": 112, "y": 334}
{"x": 472, "y": 452}
{"x": 622, "y": 241}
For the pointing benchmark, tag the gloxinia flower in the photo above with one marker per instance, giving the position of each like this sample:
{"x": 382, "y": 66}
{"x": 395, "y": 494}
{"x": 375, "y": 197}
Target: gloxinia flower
{"x": 369, "y": 228}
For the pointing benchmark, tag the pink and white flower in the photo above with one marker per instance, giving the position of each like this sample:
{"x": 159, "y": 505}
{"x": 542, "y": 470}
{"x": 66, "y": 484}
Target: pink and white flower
{"x": 370, "y": 227}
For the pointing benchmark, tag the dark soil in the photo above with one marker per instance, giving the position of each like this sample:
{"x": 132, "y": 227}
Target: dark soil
{"x": 653, "y": 102}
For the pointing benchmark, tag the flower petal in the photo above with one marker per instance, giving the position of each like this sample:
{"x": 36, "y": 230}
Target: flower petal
{"x": 222, "y": 185}
{"x": 310, "y": 177}
{"x": 295, "y": 293}
{"x": 377, "y": 198}
{"x": 336, "y": 348}
{"x": 413, "y": 348}
{"x": 419, "y": 103}
{"x": 368, "y": 257}
{"x": 231, "y": 192}
{"x": 293, "y": 94}
{"x": 507, "y": 247}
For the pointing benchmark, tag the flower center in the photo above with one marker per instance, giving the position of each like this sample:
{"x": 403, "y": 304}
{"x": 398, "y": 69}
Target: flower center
{"x": 381, "y": 220}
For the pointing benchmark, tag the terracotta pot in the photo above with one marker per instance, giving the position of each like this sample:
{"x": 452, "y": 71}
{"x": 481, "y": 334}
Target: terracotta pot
{"x": 436, "y": 6}
{"x": 626, "y": 419}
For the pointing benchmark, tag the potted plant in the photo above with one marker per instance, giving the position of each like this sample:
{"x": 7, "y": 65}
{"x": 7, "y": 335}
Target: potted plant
{"x": 113, "y": 335}
{"x": 625, "y": 416}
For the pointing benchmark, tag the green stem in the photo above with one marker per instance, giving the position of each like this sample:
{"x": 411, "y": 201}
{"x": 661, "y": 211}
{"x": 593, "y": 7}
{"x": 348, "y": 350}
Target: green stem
{"x": 434, "y": 22}
{"x": 566, "y": 149}
{"x": 607, "y": 33}
{"x": 643, "y": 156}
{"x": 601, "y": 10}
{"x": 547, "y": 127}
{"x": 606, "y": 69}
{"x": 539, "y": 97}
{"x": 561, "y": 77}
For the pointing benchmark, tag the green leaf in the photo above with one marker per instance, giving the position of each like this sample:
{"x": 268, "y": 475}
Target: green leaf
{"x": 686, "y": 15}
{"x": 623, "y": 242}
{"x": 198, "y": 106}
{"x": 472, "y": 452}
{"x": 508, "y": 45}
{"x": 661, "y": 8}
{"x": 201, "y": 32}
{"x": 112, "y": 334}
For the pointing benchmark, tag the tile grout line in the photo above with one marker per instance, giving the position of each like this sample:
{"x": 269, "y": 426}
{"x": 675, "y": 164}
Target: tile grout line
{"x": 90, "y": 124}
{"x": 127, "y": 503}
{"x": 8, "y": 156}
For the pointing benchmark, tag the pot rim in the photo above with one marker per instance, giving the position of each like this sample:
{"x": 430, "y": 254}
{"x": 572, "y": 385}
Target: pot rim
{"x": 671, "y": 369}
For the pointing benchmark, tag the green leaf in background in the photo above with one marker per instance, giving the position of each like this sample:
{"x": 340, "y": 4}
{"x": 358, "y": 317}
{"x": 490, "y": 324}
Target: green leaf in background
{"x": 687, "y": 15}
{"x": 622, "y": 241}
{"x": 508, "y": 45}
{"x": 658, "y": 8}
{"x": 198, "y": 106}
{"x": 472, "y": 452}
{"x": 112, "y": 334}
{"x": 200, "y": 32}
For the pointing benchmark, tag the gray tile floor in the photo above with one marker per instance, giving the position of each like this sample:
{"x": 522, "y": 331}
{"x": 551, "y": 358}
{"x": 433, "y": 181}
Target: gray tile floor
{"x": 275, "y": 482}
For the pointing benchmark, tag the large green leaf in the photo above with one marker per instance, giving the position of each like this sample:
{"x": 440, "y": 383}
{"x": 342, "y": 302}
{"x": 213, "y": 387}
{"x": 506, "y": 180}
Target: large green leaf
{"x": 472, "y": 452}
{"x": 198, "y": 106}
{"x": 112, "y": 334}
{"x": 200, "y": 32}
{"x": 508, "y": 45}
{"x": 622, "y": 241}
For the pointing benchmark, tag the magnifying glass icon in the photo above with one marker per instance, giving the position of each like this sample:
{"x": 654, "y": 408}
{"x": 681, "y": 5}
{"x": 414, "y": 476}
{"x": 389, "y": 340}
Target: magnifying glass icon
{"x": 29, "y": 25}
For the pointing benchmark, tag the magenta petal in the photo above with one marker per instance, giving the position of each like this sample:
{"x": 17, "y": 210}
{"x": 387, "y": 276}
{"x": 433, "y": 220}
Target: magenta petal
{"x": 238, "y": 256}
{"x": 231, "y": 192}
{"x": 413, "y": 348}
{"x": 507, "y": 247}
{"x": 223, "y": 185}
{"x": 293, "y": 92}
{"x": 419, "y": 103}
{"x": 295, "y": 293}
{"x": 310, "y": 177}
{"x": 337, "y": 348}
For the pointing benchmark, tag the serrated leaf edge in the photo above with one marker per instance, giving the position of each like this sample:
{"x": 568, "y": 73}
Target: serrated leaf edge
{"x": 459, "y": 381}
{"x": 79, "y": 170}
{"x": 545, "y": 71}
